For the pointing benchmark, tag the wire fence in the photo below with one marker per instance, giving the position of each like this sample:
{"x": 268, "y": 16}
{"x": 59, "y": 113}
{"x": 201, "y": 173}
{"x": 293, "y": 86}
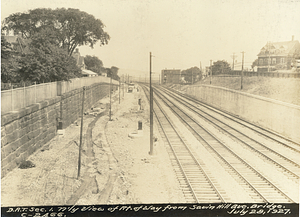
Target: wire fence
{"x": 15, "y": 99}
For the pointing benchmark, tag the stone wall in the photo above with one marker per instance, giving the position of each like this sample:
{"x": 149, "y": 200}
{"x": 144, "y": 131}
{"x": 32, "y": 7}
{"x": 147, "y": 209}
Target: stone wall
{"x": 26, "y": 130}
{"x": 280, "y": 117}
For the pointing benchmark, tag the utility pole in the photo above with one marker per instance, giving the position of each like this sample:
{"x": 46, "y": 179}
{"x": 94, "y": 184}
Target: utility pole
{"x": 110, "y": 97}
{"x": 210, "y": 71}
{"x": 200, "y": 78}
{"x": 123, "y": 85}
{"x": 151, "y": 110}
{"x": 233, "y": 57}
{"x": 119, "y": 90}
{"x": 242, "y": 74}
{"x": 159, "y": 79}
{"x": 192, "y": 77}
{"x": 180, "y": 80}
{"x": 269, "y": 59}
{"x": 81, "y": 130}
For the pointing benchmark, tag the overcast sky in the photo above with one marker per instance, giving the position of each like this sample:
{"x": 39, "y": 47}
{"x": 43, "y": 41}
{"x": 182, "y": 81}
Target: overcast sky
{"x": 179, "y": 33}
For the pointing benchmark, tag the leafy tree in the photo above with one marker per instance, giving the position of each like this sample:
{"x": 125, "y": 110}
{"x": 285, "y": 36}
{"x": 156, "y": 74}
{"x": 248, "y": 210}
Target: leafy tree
{"x": 192, "y": 75}
{"x": 220, "y": 67}
{"x": 72, "y": 27}
{"x": 254, "y": 64}
{"x": 94, "y": 64}
{"x": 9, "y": 63}
{"x": 46, "y": 62}
{"x": 113, "y": 72}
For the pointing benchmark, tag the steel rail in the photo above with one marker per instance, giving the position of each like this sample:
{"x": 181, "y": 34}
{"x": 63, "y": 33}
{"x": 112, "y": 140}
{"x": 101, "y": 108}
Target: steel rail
{"x": 239, "y": 139}
{"x": 244, "y": 162}
{"x": 232, "y": 117}
{"x": 190, "y": 152}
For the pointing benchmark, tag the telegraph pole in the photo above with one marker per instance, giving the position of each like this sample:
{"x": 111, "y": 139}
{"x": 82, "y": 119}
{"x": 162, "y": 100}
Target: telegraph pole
{"x": 233, "y": 57}
{"x": 151, "y": 109}
{"x": 269, "y": 59}
{"x": 81, "y": 130}
{"x": 119, "y": 90}
{"x": 242, "y": 74}
{"x": 192, "y": 77}
{"x": 110, "y": 97}
{"x": 210, "y": 71}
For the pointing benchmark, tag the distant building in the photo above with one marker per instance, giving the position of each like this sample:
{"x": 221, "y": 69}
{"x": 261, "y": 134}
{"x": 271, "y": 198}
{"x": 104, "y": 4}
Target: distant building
{"x": 80, "y": 63}
{"x": 88, "y": 73}
{"x": 170, "y": 76}
{"x": 277, "y": 55}
{"x": 18, "y": 44}
{"x": 79, "y": 59}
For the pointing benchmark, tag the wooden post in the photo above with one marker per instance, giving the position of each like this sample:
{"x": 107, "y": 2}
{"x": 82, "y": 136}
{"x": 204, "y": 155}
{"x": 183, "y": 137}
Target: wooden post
{"x": 24, "y": 96}
{"x": 151, "y": 110}
{"x": 12, "y": 97}
{"x": 110, "y": 97}
{"x": 81, "y": 129}
{"x": 35, "y": 92}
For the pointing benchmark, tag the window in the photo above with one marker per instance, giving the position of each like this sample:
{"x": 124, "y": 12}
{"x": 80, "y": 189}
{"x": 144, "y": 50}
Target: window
{"x": 261, "y": 61}
{"x": 273, "y": 60}
{"x": 282, "y": 60}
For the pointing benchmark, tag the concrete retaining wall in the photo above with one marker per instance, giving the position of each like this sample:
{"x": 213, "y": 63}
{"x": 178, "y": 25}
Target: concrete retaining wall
{"x": 283, "y": 118}
{"x": 26, "y": 130}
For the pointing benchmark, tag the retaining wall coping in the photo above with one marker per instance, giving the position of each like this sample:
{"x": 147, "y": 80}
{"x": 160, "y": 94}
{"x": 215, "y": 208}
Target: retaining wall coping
{"x": 14, "y": 115}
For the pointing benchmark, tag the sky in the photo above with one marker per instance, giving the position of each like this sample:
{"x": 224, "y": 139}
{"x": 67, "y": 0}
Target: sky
{"x": 180, "y": 34}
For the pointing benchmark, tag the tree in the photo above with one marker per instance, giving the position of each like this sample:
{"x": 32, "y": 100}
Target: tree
{"x": 9, "y": 63}
{"x": 72, "y": 27}
{"x": 94, "y": 64}
{"x": 220, "y": 67}
{"x": 254, "y": 64}
{"x": 113, "y": 72}
{"x": 192, "y": 75}
{"x": 46, "y": 62}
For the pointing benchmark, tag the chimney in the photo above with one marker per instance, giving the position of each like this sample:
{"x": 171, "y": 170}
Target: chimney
{"x": 292, "y": 38}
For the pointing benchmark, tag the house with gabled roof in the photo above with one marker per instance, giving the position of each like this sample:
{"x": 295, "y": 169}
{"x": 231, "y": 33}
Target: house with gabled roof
{"x": 277, "y": 55}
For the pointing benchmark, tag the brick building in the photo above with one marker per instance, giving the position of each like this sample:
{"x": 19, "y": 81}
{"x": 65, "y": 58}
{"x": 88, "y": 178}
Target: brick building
{"x": 170, "y": 76}
{"x": 277, "y": 55}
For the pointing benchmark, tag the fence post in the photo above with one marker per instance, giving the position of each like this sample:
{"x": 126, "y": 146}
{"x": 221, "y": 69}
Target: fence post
{"x": 12, "y": 97}
{"x": 35, "y": 92}
{"x": 24, "y": 96}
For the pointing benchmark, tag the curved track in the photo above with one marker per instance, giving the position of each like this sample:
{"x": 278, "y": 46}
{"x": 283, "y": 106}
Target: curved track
{"x": 285, "y": 163}
{"x": 259, "y": 187}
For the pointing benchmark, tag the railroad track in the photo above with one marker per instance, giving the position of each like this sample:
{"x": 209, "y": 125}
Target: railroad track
{"x": 258, "y": 187}
{"x": 285, "y": 164}
{"x": 292, "y": 145}
{"x": 196, "y": 184}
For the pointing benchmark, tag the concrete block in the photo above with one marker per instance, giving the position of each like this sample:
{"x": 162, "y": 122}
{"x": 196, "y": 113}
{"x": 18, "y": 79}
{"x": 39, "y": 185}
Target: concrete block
{"x": 7, "y": 168}
{"x": 9, "y": 117}
{"x": 9, "y": 158}
{"x": 11, "y": 147}
{"x": 12, "y": 137}
{"x": 3, "y": 133}
{"x": 43, "y": 104}
{"x": 9, "y": 128}
{"x": 44, "y": 121}
{"x": 61, "y": 132}
{"x": 24, "y": 139}
{"x": 3, "y": 141}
